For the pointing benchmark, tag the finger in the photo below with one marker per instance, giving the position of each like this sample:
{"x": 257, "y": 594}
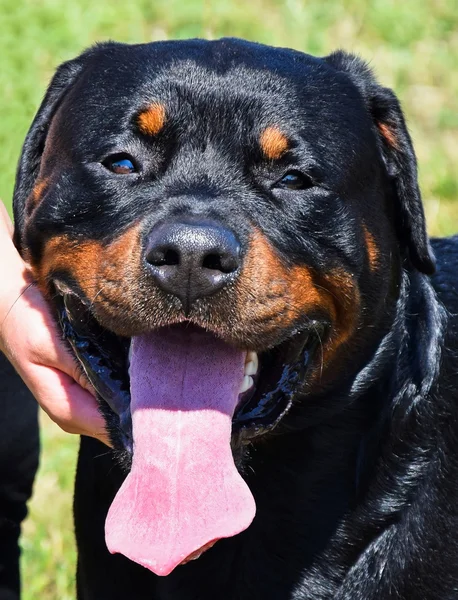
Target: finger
{"x": 67, "y": 404}
{"x": 42, "y": 342}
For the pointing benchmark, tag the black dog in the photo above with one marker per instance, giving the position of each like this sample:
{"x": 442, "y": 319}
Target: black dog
{"x": 233, "y": 239}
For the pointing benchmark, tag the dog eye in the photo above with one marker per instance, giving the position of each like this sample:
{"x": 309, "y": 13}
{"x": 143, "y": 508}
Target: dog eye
{"x": 294, "y": 180}
{"x": 121, "y": 164}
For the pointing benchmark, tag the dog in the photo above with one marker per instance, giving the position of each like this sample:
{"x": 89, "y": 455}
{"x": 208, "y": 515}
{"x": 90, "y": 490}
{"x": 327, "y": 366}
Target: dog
{"x": 233, "y": 242}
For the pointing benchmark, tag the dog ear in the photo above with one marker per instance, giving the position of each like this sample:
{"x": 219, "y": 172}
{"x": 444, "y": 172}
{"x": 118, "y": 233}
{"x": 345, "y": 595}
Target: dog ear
{"x": 398, "y": 155}
{"x": 34, "y": 144}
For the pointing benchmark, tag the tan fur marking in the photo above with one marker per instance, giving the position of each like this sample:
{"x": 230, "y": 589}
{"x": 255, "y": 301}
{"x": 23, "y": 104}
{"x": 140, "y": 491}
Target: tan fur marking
{"x": 37, "y": 194}
{"x": 152, "y": 120}
{"x": 88, "y": 261}
{"x": 388, "y": 134}
{"x": 280, "y": 295}
{"x": 107, "y": 273}
{"x": 373, "y": 252}
{"x": 273, "y": 143}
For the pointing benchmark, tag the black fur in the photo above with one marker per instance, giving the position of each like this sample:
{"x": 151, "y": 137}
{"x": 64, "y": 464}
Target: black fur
{"x": 357, "y": 495}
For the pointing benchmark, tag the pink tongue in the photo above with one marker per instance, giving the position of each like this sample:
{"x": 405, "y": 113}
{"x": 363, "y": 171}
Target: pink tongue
{"x": 184, "y": 490}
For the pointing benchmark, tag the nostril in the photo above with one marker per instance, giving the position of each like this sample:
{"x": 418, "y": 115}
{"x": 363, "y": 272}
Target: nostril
{"x": 160, "y": 257}
{"x": 212, "y": 261}
{"x": 220, "y": 262}
{"x": 171, "y": 257}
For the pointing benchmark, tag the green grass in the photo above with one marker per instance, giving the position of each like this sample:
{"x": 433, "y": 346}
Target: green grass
{"x": 412, "y": 45}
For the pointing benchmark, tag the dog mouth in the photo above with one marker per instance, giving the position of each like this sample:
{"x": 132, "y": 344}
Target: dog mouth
{"x": 271, "y": 379}
{"x": 185, "y": 401}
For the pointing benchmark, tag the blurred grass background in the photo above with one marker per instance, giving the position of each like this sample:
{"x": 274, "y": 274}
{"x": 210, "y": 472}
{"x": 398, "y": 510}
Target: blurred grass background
{"x": 412, "y": 45}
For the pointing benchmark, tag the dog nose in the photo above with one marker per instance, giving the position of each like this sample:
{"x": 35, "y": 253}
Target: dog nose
{"x": 192, "y": 260}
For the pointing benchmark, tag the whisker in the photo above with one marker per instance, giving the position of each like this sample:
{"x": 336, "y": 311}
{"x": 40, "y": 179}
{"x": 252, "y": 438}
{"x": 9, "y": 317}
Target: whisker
{"x": 18, "y": 298}
{"x": 103, "y": 454}
{"x": 326, "y": 290}
{"x": 321, "y": 351}
{"x": 94, "y": 298}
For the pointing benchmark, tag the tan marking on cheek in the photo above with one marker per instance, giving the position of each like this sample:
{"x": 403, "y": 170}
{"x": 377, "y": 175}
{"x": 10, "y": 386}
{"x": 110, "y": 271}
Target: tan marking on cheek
{"x": 347, "y": 301}
{"x": 273, "y": 143}
{"x": 152, "y": 120}
{"x": 277, "y": 296}
{"x": 106, "y": 273}
{"x": 78, "y": 259}
{"x": 373, "y": 252}
{"x": 388, "y": 134}
{"x": 268, "y": 291}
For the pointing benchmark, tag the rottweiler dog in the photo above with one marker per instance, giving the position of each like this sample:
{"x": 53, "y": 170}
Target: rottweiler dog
{"x": 233, "y": 241}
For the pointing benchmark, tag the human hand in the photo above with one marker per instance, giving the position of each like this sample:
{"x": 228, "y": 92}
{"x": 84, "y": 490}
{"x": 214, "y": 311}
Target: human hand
{"x": 32, "y": 343}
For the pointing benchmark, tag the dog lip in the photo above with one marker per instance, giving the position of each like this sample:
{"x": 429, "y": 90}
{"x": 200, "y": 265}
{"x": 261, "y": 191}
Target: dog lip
{"x": 67, "y": 289}
{"x": 63, "y": 289}
{"x": 281, "y": 373}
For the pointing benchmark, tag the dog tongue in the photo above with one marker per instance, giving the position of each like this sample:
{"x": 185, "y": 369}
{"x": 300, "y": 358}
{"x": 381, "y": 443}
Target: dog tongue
{"x": 184, "y": 491}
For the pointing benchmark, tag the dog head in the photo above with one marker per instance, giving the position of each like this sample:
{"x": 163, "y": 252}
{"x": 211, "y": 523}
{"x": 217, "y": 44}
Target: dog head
{"x": 221, "y": 227}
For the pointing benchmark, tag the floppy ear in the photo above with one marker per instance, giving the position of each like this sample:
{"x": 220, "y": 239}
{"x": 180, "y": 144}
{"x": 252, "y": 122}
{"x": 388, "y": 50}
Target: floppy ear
{"x": 32, "y": 150}
{"x": 399, "y": 157}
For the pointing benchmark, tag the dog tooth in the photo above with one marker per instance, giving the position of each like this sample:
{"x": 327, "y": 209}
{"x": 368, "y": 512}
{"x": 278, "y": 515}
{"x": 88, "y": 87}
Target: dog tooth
{"x": 251, "y": 367}
{"x": 246, "y": 384}
{"x": 251, "y": 356}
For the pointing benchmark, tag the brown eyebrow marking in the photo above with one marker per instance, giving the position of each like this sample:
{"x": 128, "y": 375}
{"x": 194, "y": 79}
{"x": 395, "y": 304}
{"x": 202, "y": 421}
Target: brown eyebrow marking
{"x": 273, "y": 142}
{"x": 151, "y": 120}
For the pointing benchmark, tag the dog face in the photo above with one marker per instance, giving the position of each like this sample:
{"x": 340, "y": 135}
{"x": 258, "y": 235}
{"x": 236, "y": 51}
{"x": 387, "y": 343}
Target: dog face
{"x": 261, "y": 195}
